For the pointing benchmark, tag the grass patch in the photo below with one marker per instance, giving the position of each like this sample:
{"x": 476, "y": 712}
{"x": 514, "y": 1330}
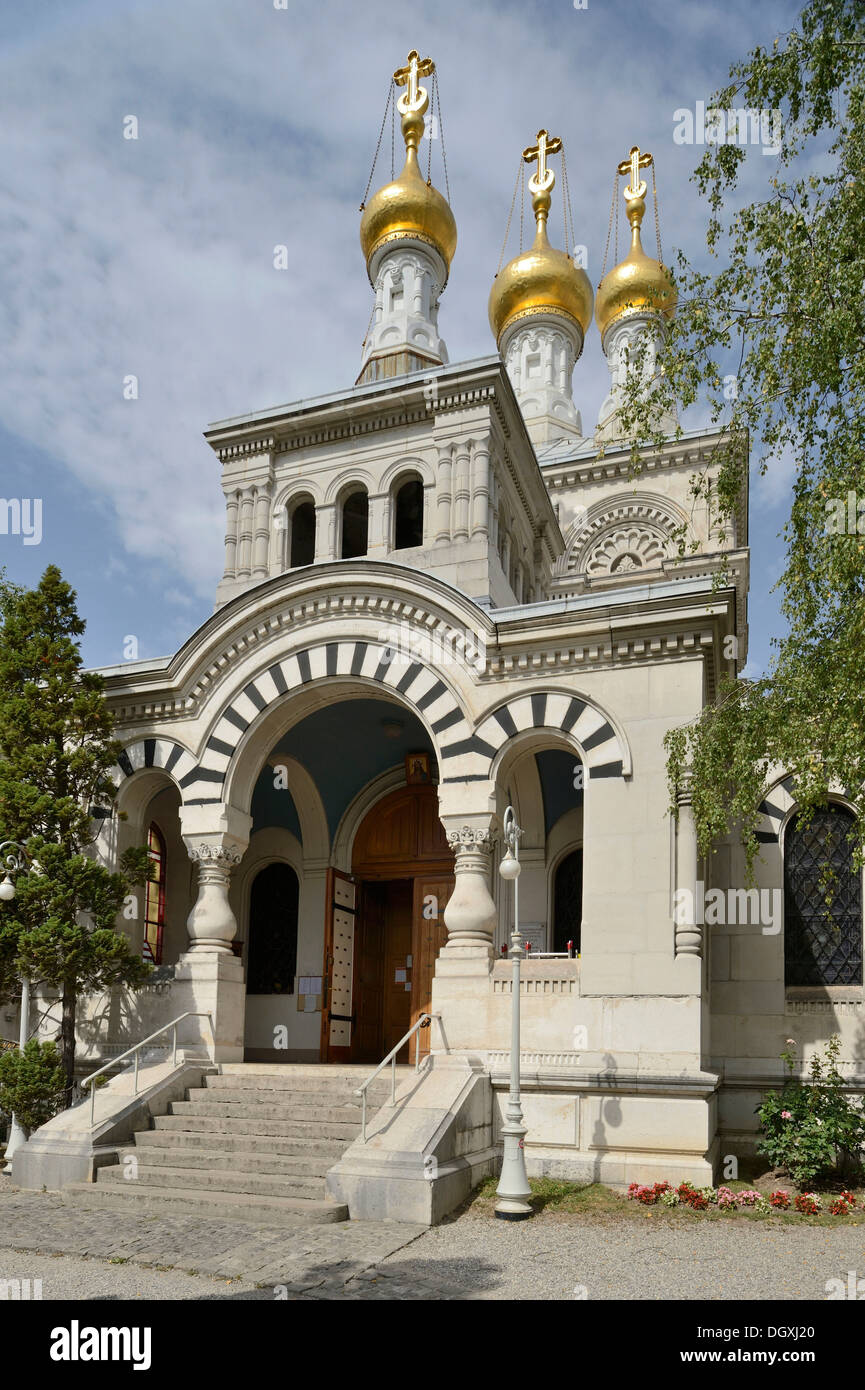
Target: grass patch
{"x": 559, "y": 1198}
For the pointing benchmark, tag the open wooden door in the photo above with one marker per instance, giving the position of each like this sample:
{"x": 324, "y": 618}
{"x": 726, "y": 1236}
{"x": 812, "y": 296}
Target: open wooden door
{"x": 337, "y": 1015}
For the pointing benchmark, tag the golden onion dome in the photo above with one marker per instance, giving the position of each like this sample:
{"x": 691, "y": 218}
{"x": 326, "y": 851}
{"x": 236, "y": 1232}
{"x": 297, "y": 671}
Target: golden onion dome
{"x": 638, "y": 284}
{"x": 541, "y": 280}
{"x": 409, "y": 208}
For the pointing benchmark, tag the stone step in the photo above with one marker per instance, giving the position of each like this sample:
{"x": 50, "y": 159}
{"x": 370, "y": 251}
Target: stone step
{"x": 289, "y": 1101}
{"x": 241, "y": 1142}
{"x": 288, "y": 1080}
{"x": 225, "y": 1180}
{"x": 299, "y": 1102}
{"x": 356, "y": 1072}
{"x": 193, "y": 1121}
{"x": 278, "y": 1165}
{"x": 216, "y": 1204}
{"x": 240, "y": 1110}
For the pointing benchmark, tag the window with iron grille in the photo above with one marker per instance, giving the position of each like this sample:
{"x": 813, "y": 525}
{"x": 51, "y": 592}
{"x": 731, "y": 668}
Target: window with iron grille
{"x": 822, "y": 929}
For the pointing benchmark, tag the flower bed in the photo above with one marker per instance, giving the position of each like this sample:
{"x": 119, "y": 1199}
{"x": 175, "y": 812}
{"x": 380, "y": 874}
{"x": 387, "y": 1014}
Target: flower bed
{"x": 724, "y": 1199}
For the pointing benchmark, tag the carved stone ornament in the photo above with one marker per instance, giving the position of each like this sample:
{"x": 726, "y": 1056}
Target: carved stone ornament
{"x": 229, "y": 856}
{"x": 470, "y": 839}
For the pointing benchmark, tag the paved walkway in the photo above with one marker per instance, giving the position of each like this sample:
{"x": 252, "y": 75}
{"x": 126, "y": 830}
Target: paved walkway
{"x": 553, "y": 1257}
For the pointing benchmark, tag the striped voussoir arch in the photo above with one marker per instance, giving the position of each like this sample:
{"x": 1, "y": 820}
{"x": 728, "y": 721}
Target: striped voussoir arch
{"x": 374, "y": 661}
{"x": 161, "y": 753}
{"x": 773, "y": 810}
{"x": 605, "y": 756}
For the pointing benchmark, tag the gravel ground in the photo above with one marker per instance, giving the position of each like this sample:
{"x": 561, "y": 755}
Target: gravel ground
{"x": 553, "y": 1256}
{"x": 567, "y": 1257}
{"x": 73, "y": 1277}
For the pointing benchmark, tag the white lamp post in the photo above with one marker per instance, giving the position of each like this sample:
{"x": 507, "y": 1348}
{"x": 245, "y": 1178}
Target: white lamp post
{"x": 513, "y": 1190}
{"x": 16, "y": 863}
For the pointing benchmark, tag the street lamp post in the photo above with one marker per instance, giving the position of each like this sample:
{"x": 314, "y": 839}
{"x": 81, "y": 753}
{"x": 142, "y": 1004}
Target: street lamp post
{"x": 16, "y": 862}
{"x": 513, "y": 1190}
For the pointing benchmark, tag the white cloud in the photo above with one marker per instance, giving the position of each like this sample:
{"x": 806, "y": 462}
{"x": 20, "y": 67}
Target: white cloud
{"x": 154, "y": 257}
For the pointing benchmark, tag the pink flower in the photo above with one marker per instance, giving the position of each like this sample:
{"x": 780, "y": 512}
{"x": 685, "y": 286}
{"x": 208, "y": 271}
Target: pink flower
{"x": 786, "y": 1114}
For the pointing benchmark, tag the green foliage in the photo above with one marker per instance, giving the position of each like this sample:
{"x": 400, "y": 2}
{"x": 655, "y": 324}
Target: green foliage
{"x": 807, "y": 1127}
{"x": 32, "y": 1083}
{"x": 783, "y": 314}
{"x": 56, "y": 752}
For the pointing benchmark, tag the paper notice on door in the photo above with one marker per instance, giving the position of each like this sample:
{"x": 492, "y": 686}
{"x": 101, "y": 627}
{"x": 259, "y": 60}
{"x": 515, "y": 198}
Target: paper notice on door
{"x": 408, "y": 989}
{"x": 399, "y": 977}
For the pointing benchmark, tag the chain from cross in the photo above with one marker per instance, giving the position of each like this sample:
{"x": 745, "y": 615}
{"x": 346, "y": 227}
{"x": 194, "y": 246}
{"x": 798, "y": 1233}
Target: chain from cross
{"x": 543, "y": 180}
{"x": 632, "y": 165}
{"x": 415, "y": 98}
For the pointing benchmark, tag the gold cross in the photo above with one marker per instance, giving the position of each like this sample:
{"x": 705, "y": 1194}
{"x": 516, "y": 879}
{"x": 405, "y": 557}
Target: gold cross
{"x": 416, "y": 97}
{"x": 543, "y": 180}
{"x": 632, "y": 165}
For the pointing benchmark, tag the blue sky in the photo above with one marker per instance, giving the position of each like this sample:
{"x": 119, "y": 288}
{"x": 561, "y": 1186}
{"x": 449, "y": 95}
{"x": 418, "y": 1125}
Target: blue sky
{"x": 257, "y": 126}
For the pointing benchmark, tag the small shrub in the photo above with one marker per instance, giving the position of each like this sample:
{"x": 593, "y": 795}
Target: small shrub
{"x": 809, "y": 1127}
{"x": 32, "y": 1083}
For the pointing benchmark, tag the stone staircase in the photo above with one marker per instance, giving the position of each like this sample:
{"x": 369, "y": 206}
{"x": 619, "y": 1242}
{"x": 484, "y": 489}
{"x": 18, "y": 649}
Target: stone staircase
{"x": 253, "y": 1142}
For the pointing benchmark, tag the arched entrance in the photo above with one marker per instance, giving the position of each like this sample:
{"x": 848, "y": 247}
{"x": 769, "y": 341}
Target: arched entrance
{"x": 385, "y": 927}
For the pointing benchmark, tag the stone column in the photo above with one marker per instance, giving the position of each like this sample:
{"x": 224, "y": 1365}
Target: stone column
{"x": 444, "y": 481}
{"x": 461, "y": 492}
{"x": 209, "y": 977}
{"x": 262, "y": 532}
{"x": 230, "y": 535}
{"x": 688, "y": 931}
{"x": 244, "y": 547}
{"x": 480, "y": 488}
{"x": 325, "y": 532}
{"x": 470, "y": 916}
{"x": 377, "y": 537}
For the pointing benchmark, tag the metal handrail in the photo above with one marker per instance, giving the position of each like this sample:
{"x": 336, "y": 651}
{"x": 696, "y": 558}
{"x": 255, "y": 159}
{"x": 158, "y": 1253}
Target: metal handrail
{"x": 134, "y": 1051}
{"x": 423, "y": 1022}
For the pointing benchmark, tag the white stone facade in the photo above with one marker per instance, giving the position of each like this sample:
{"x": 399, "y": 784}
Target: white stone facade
{"x": 546, "y": 610}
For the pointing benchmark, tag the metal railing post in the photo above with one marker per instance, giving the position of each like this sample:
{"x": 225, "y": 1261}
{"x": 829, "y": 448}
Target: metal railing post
{"x": 136, "y": 1070}
{"x": 174, "y": 1047}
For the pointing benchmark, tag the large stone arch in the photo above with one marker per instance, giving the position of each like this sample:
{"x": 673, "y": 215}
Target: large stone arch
{"x": 350, "y": 666}
{"x": 601, "y": 746}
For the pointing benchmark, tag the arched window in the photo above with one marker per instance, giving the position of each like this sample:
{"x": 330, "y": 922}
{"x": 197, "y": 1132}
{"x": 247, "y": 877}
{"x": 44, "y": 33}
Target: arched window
{"x": 822, "y": 940}
{"x": 154, "y": 898}
{"x": 408, "y": 528}
{"x": 302, "y": 538}
{"x": 568, "y": 901}
{"x": 272, "y": 960}
{"x": 355, "y": 522}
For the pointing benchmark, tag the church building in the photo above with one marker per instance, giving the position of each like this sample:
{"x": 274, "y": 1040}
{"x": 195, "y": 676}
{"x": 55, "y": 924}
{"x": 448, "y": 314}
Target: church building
{"x": 445, "y": 593}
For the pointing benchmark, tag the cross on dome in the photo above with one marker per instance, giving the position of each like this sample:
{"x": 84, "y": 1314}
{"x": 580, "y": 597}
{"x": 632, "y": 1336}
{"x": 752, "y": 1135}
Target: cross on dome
{"x": 542, "y": 181}
{"x": 415, "y": 98}
{"x": 635, "y": 161}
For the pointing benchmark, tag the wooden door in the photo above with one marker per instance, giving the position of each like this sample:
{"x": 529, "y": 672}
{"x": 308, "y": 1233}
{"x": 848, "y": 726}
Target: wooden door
{"x": 431, "y": 896}
{"x": 397, "y": 975}
{"x": 369, "y": 972}
{"x": 339, "y": 952}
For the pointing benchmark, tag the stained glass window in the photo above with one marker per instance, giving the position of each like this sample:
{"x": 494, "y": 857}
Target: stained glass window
{"x": 822, "y": 938}
{"x": 154, "y": 898}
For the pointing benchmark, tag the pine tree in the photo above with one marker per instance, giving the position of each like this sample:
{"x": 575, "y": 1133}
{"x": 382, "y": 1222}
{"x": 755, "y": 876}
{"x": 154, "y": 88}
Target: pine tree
{"x": 56, "y": 751}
